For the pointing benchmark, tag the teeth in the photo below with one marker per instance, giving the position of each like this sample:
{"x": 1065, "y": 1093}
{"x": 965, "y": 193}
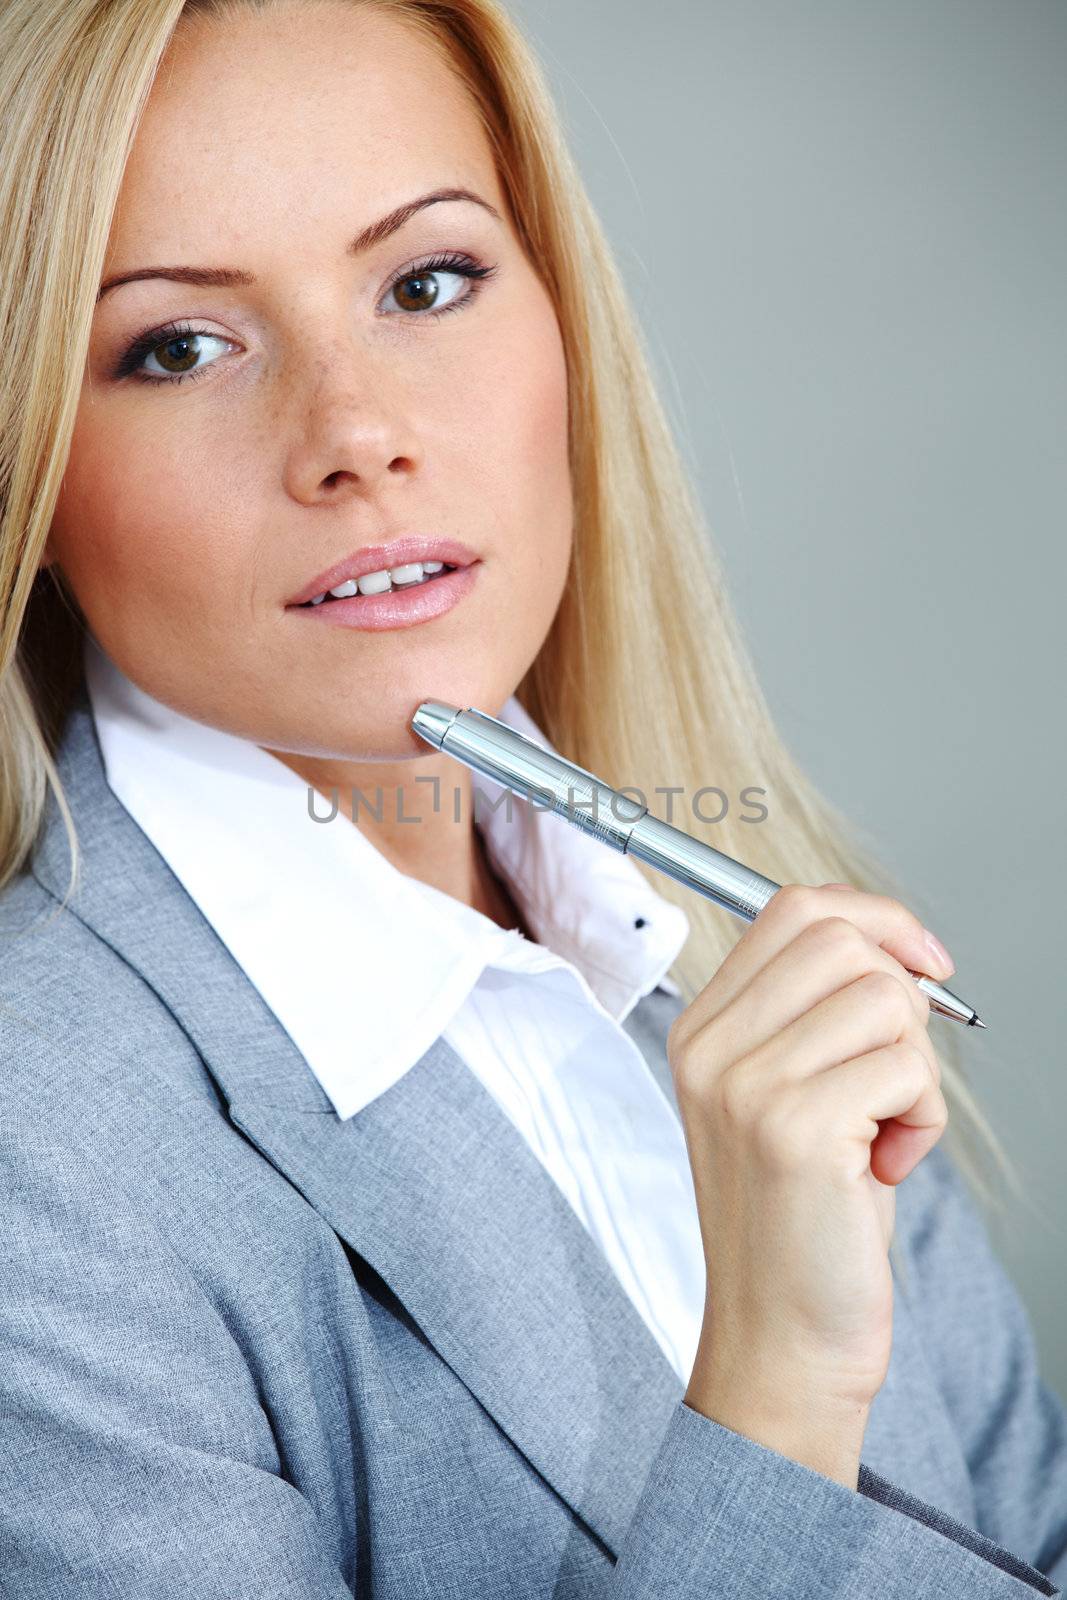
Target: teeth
{"x": 374, "y": 583}
{"x": 411, "y": 573}
{"x": 404, "y": 577}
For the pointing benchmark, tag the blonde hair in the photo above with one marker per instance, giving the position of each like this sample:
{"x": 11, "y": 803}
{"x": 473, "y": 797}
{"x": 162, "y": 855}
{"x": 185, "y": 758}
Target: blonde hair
{"x": 643, "y": 675}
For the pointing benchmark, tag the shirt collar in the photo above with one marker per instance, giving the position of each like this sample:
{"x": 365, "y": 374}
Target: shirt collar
{"x": 355, "y": 958}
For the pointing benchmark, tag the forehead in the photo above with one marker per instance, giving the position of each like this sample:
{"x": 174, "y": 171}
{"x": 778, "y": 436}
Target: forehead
{"x": 331, "y": 108}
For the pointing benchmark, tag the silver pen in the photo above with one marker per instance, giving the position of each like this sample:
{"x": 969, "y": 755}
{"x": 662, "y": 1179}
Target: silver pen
{"x": 536, "y": 774}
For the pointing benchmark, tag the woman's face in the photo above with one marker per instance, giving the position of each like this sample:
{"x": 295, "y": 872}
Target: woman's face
{"x": 330, "y": 403}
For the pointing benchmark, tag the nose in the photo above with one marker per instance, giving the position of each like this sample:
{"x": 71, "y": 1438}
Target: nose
{"x": 354, "y": 431}
{"x": 350, "y": 459}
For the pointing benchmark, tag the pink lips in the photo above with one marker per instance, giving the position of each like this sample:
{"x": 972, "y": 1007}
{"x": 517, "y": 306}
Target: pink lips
{"x": 377, "y": 557}
{"x": 397, "y": 608}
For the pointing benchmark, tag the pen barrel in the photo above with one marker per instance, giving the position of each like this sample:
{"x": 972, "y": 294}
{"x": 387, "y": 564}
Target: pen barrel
{"x": 510, "y": 759}
{"x": 716, "y": 876}
{"x": 516, "y": 763}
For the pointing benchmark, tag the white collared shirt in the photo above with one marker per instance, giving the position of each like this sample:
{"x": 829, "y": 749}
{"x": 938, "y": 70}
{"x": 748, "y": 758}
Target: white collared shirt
{"x": 365, "y": 967}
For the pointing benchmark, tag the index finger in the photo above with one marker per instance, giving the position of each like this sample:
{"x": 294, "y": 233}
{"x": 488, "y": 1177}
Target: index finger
{"x": 793, "y": 907}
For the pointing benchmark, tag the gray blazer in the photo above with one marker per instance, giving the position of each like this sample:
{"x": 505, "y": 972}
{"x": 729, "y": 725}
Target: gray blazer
{"x": 248, "y": 1349}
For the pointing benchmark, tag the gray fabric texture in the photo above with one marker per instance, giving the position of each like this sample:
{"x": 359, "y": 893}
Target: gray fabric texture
{"x": 250, "y": 1350}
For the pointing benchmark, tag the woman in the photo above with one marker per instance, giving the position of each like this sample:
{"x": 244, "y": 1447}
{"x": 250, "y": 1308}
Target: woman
{"x": 381, "y": 1216}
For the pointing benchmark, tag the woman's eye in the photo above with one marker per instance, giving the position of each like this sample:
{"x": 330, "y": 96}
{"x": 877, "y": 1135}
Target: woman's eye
{"x": 175, "y": 352}
{"x": 418, "y": 292}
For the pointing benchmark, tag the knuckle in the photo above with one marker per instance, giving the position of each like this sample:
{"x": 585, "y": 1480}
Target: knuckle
{"x": 795, "y": 899}
{"x": 889, "y": 995}
{"x": 916, "y": 1063}
{"x": 734, "y": 1095}
{"x": 675, "y": 1037}
{"x": 903, "y": 1004}
{"x": 686, "y": 1070}
{"x": 782, "y": 1135}
{"x": 940, "y": 1118}
{"x": 693, "y": 1062}
{"x": 839, "y": 934}
{"x": 930, "y": 1065}
{"x": 913, "y": 1056}
{"x": 879, "y": 986}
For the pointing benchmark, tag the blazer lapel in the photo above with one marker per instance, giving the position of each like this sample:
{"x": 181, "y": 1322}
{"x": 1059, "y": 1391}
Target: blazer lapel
{"x": 430, "y": 1183}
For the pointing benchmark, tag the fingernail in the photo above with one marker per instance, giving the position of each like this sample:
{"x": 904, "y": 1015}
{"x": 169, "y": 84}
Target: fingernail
{"x": 939, "y": 953}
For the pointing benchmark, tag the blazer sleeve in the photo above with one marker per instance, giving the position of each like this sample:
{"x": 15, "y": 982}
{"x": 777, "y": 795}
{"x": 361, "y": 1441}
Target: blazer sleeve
{"x": 1012, "y": 1427}
{"x": 729, "y": 1518}
{"x": 136, "y": 1456}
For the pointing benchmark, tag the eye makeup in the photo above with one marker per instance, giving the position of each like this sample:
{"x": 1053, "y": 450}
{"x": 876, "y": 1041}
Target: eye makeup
{"x": 153, "y": 338}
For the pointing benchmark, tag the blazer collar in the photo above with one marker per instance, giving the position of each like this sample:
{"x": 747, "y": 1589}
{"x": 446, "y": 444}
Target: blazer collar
{"x": 431, "y": 1184}
{"x": 255, "y": 861}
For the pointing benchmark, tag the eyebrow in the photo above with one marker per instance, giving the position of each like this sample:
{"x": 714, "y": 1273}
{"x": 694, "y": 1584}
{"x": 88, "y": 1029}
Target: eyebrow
{"x": 232, "y": 277}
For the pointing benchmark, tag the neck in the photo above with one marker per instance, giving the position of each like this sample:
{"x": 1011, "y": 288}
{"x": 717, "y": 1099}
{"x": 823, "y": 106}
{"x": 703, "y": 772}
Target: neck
{"x": 492, "y": 896}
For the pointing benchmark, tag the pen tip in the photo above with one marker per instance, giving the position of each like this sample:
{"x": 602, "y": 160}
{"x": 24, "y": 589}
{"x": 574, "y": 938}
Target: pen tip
{"x": 976, "y": 1021}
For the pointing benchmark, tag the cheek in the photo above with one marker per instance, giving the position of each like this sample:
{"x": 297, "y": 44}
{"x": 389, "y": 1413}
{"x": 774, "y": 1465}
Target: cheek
{"x": 521, "y": 434}
{"x": 539, "y": 392}
{"x": 543, "y": 423}
{"x": 546, "y": 408}
{"x": 134, "y": 519}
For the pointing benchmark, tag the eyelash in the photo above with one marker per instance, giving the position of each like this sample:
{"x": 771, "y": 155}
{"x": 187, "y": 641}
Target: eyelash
{"x": 464, "y": 266}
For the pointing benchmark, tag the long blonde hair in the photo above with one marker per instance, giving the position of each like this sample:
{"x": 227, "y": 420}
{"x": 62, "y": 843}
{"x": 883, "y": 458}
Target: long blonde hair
{"x": 643, "y": 677}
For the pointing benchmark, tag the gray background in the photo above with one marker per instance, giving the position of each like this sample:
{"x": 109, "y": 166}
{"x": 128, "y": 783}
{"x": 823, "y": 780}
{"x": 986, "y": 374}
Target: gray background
{"x": 843, "y": 227}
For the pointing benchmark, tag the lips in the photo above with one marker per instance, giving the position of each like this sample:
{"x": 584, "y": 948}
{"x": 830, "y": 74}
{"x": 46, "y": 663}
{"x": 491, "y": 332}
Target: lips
{"x": 379, "y": 557}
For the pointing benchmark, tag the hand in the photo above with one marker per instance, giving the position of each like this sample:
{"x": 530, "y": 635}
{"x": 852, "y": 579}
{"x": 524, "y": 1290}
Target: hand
{"x": 808, "y": 1088}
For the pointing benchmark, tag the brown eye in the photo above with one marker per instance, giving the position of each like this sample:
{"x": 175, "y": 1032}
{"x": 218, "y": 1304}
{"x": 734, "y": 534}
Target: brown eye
{"x": 422, "y": 293}
{"x": 178, "y": 354}
{"x": 175, "y": 352}
{"x": 430, "y": 288}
